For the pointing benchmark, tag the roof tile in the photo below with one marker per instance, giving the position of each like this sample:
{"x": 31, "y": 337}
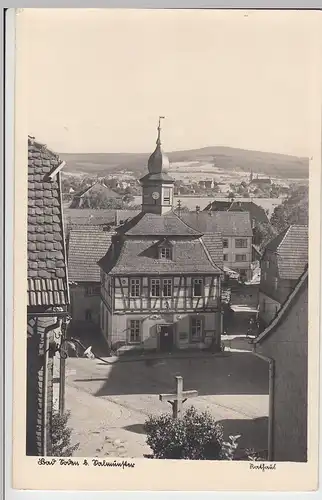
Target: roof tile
{"x": 86, "y": 246}
{"x": 42, "y": 195}
{"x": 291, "y": 249}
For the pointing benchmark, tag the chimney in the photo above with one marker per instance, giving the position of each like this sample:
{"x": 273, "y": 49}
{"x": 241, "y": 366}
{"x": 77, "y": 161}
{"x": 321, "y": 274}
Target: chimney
{"x": 179, "y": 207}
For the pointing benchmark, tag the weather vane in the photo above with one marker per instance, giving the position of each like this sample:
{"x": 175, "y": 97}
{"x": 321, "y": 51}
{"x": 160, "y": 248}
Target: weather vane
{"x": 159, "y": 129}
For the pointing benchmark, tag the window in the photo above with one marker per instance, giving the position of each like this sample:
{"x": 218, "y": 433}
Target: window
{"x": 225, "y": 256}
{"x": 93, "y": 290}
{"x": 135, "y": 288}
{"x": 241, "y": 257}
{"x": 165, "y": 253}
{"x": 197, "y": 287}
{"x": 135, "y": 331}
{"x": 155, "y": 288}
{"x": 196, "y": 329}
{"x": 241, "y": 243}
{"x": 166, "y": 196}
{"x": 167, "y": 288}
{"x": 225, "y": 243}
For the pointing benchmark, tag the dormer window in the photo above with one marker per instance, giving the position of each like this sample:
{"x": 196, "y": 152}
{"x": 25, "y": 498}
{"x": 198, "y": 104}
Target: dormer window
{"x": 165, "y": 253}
{"x": 165, "y": 250}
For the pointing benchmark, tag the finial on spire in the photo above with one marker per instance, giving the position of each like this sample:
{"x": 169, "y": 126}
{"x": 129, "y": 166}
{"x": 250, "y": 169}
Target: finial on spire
{"x": 159, "y": 130}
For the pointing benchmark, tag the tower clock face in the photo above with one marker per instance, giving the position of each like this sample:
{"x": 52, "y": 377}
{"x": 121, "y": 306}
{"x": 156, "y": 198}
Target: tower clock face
{"x": 155, "y": 195}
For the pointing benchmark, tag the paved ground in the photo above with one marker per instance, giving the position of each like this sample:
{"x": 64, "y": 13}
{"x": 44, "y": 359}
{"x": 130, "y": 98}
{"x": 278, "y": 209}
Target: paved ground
{"x": 110, "y": 402}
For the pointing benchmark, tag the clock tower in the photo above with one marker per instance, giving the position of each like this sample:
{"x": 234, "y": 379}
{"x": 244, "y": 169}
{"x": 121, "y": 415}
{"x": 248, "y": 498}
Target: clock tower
{"x": 157, "y": 185}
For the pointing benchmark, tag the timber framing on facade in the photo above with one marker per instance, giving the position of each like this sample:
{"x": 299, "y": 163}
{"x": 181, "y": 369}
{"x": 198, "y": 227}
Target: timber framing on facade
{"x": 161, "y": 277}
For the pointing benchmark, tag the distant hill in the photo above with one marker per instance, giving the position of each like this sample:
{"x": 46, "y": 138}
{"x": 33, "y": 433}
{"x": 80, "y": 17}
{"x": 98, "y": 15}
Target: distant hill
{"x": 270, "y": 164}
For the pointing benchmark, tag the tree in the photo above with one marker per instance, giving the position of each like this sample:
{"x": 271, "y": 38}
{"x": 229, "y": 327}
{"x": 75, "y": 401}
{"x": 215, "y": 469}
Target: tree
{"x": 293, "y": 210}
{"x": 61, "y": 436}
{"x": 263, "y": 233}
{"x": 195, "y": 436}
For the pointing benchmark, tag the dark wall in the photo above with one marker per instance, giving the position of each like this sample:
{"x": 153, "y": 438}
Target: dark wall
{"x": 37, "y": 328}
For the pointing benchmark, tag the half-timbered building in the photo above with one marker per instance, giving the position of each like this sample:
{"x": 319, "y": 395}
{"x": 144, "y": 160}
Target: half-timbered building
{"x": 161, "y": 278}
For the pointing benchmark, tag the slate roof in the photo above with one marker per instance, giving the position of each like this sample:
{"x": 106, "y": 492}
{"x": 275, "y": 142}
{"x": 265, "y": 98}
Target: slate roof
{"x": 226, "y": 223}
{"x": 47, "y": 272}
{"x": 147, "y": 224}
{"x": 139, "y": 256}
{"x": 86, "y": 246}
{"x": 285, "y": 308}
{"x": 125, "y": 215}
{"x": 160, "y": 176}
{"x": 255, "y": 211}
{"x": 291, "y": 249}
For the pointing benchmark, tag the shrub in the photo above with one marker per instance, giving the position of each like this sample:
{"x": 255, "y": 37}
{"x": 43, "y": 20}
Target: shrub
{"x": 60, "y": 435}
{"x": 196, "y": 436}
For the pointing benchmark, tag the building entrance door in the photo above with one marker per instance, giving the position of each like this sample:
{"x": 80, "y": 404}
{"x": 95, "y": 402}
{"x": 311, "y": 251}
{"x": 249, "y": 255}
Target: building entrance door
{"x": 166, "y": 338}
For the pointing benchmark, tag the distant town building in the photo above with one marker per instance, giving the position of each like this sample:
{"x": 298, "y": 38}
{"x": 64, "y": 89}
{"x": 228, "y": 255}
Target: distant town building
{"x": 161, "y": 278}
{"x": 284, "y": 260}
{"x": 260, "y": 182}
{"x": 47, "y": 296}
{"x": 236, "y": 233}
{"x": 285, "y": 345}
{"x": 256, "y": 213}
{"x": 82, "y": 199}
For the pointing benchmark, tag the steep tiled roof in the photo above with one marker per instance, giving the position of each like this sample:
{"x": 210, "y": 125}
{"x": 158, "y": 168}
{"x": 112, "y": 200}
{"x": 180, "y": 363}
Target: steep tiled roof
{"x": 226, "y": 223}
{"x": 255, "y": 211}
{"x": 285, "y": 308}
{"x": 146, "y": 224}
{"x": 47, "y": 273}
{"x": 86, "y": 246}
{"x": 214, "y": 245}
{"x": 291, "y": 249}
{"x": 137, "y": 256}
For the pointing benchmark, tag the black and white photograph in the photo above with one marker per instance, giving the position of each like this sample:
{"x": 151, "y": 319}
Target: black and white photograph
{"x": 167, "y": 172}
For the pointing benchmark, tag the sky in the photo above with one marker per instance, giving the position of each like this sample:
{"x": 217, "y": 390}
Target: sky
{"x": 97, "y": 79}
